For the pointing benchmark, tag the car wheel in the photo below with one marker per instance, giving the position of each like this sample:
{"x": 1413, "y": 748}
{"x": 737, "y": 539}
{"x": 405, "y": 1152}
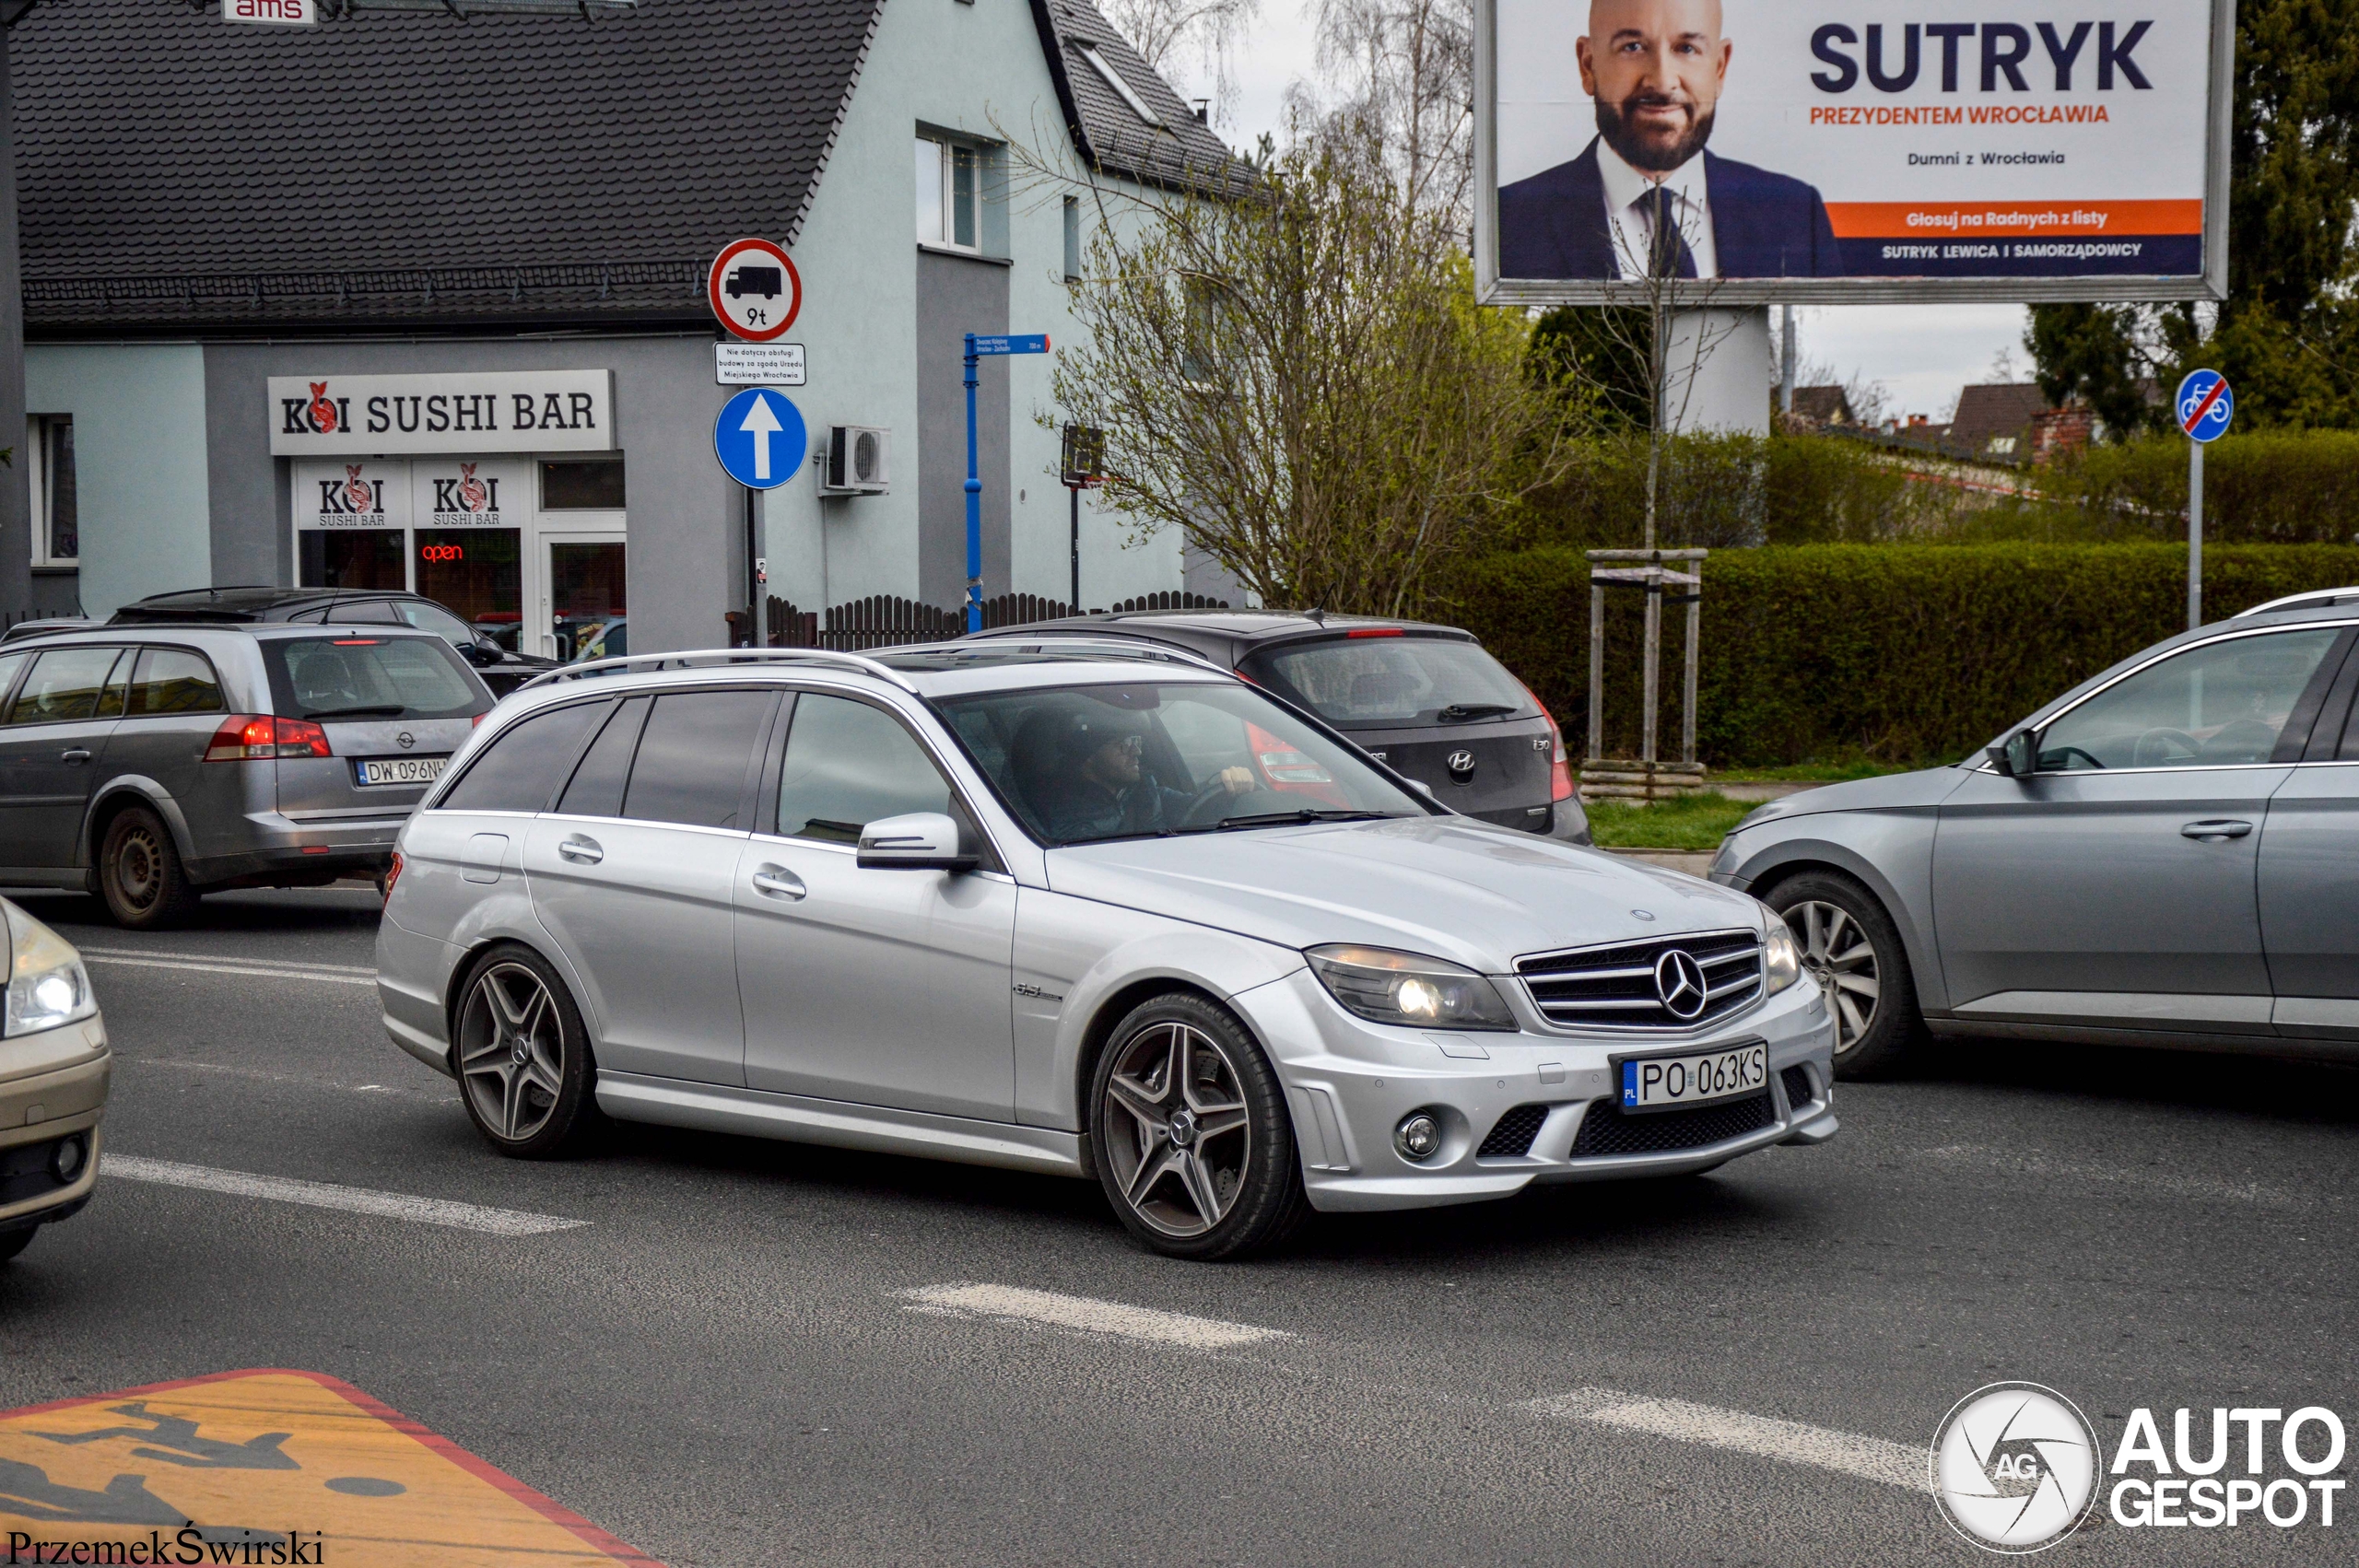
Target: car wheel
{"x": 1191, "y": 1134}
{"x": 1852, "y": 948}
{"x": 14, "y": 1241}
{"x": 140, "y": 874}
{"x": 522, "y": 1056}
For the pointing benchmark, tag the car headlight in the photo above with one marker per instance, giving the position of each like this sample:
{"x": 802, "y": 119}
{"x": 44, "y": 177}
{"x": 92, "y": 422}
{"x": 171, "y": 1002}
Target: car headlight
{"x": 47, "y": 985}
{"x": 1385, "y": 987}
{"x": 1782, "y": 961}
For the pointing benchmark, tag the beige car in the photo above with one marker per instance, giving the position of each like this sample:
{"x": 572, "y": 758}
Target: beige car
{"x": 53, "y": 1070}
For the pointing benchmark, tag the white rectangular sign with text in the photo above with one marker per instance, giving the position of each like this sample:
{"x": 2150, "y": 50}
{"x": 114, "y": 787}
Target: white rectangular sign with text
{"x": 493, "y": 411}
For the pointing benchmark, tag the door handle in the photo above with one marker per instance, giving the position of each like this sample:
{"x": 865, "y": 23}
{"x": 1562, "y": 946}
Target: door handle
{"x": 584, "y": 850}
{"x": 2215, "y": 832}
{"x": 779, "y": 883}
{"x": 76, "y": 756}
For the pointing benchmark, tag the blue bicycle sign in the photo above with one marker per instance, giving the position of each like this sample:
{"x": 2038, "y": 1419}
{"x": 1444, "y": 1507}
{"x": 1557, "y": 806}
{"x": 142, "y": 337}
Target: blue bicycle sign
{"x": 2205, "y": 405}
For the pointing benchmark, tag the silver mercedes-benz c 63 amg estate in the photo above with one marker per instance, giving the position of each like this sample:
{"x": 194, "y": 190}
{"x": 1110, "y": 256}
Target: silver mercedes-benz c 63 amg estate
{"x": 1088, "y": 911}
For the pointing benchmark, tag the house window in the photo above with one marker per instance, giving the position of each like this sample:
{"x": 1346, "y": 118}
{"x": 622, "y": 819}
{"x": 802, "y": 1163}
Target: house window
{"x": 948, "y": 193}
{"x": 1073, "y": 238}
{"x": 49, "y": 442}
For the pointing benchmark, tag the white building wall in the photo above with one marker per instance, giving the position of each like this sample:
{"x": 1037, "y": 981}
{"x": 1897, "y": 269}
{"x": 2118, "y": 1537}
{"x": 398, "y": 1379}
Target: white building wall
{"x": 140, "y": 462}
{"x": 977, "y": 70}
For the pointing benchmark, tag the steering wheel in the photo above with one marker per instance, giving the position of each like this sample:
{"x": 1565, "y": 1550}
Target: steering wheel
{"x": 2069, "y": 752}
{"x": 1215, "y": 791}
{"x": 2165, "y": 748}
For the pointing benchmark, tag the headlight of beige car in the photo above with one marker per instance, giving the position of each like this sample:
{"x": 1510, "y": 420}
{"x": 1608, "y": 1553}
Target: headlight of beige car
{"x": 47, "y": 985}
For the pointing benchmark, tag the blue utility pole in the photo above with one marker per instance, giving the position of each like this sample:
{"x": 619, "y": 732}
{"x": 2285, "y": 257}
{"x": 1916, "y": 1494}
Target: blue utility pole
{"x": 976, "y": 349}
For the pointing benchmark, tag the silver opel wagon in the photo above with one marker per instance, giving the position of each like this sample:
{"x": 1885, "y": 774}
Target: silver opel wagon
{"x": 1089, "y": 910}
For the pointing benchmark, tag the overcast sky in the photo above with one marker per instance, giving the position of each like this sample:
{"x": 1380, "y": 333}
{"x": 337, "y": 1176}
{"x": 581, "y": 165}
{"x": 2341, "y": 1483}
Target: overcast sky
{"x": 1922, "y": 354}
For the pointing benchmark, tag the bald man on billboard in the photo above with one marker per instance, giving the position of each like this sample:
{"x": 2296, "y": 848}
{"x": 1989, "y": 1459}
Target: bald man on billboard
{"x": 1646, "y": 198}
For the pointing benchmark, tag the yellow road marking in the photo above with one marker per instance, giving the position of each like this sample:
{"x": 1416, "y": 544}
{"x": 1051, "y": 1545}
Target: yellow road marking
{"x": 271, "y": 1465}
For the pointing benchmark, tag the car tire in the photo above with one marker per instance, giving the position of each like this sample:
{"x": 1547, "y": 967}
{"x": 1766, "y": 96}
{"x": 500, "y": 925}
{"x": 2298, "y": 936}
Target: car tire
{"x": 1873, "y": 993}
{"x": 522, "y": 1057}
{"x": 16, "y": 1241}
{"x": 1190, "y": 1132}
{"x": 140, "y": 874}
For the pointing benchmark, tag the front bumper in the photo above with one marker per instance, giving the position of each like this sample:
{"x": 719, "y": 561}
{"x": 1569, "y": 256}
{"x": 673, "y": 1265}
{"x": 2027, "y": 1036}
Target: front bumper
{"x": 52, "y": 1086}
{"x": 1349, "y": 1082}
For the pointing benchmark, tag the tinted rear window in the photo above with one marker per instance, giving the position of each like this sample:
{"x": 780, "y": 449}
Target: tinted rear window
{"x": 367, "y": 679}
{"x": 693, "y": 756}
{"x": 1393, "y": 681}
{"x": 597, "y": 787}
{"x": 522, "y": 769}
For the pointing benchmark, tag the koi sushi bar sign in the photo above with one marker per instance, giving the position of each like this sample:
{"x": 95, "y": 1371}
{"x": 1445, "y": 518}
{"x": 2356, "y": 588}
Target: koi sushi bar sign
{"x": 498, "y": 411}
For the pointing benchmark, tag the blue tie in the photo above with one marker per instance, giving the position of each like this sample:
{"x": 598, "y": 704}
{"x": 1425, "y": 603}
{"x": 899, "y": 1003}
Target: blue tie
{"x": 1670, "y": 256}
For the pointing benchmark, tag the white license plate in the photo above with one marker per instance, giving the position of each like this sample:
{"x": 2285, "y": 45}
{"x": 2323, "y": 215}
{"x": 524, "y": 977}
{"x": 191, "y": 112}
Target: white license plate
{"x": 1664, "y": 1083}
{"x": 374, "y": 770}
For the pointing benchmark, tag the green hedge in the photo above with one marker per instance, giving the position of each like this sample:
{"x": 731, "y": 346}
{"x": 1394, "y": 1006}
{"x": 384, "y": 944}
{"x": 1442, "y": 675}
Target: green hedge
{"x": 1904, "y": 652}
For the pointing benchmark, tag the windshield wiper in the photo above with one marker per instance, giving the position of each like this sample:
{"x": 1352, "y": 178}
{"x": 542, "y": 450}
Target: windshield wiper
{"x": 381, "y": 710}
{"x": 1459, "y": 712}
{"x": 1279, "y": 819}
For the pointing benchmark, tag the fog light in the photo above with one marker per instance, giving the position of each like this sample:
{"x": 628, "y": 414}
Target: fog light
{"x": 65, "y": 1161}
{"x": 1418, "y": 1137}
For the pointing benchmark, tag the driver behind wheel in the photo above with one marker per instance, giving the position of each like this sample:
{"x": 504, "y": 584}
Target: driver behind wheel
{"x": 1102, "y": 785}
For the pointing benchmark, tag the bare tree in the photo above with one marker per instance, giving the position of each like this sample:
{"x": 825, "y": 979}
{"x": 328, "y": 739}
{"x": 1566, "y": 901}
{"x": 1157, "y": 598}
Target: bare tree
{"x": 1293, "y": 372}
{"x": 1206, "y": 31}
{"x": 1401, "y": 74}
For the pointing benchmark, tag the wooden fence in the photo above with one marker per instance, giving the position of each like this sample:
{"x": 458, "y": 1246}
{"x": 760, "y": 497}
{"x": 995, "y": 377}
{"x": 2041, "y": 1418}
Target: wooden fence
{"x": 882, "y": 621}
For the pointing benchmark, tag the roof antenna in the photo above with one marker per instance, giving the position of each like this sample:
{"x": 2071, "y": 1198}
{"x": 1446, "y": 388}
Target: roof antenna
{"x": 1316, "y": 614}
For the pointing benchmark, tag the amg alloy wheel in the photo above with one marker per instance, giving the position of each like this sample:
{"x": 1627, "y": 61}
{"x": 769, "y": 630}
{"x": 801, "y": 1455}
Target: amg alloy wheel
{"x": 521, "y": 1056}
{"x": 1193, "y": 1142}
{"x": 1852, "y": 949}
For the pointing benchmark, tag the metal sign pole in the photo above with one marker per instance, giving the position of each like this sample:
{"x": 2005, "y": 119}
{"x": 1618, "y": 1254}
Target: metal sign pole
{"x": 974, "y": 506}
{"x": 2194, "y": 535}
{"x": 1074, "y": 602}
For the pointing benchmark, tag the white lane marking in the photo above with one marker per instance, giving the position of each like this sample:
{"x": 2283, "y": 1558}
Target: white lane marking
{"x": 2156, "y": 1182}
{"x": 1871, "y": 1459}
{"x": 1088, "y": 1314}
{"x": 324, "y": 1195}
{"x": 338, "y": 976}
{"x": 369, "y": 969}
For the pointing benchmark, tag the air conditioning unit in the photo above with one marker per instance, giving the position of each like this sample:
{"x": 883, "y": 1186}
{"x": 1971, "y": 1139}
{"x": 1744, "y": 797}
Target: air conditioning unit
{"x": 859, "y": 462}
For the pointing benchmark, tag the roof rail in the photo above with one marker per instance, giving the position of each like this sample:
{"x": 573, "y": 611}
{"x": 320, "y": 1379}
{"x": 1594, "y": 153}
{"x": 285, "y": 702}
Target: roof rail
{"x": 1112, "y": 647}
{"x": 723, "y": 656}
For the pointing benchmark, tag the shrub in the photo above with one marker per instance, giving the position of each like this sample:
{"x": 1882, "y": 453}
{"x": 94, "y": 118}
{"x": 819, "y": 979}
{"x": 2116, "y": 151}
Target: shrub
{"x": 1906, "y": 652}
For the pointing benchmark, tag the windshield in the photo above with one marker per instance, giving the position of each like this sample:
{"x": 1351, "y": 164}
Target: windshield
{"x": 1393, "y": 682}
{"x": 371, "y": 678}
{"x": 1080, "y": 765}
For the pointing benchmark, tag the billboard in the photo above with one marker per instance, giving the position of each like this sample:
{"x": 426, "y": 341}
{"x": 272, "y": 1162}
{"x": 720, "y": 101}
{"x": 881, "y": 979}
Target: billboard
{"x": 1853, "y": 151}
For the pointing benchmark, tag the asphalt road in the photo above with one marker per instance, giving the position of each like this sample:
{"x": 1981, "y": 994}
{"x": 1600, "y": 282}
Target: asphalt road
{"x": 748, "y": 1354}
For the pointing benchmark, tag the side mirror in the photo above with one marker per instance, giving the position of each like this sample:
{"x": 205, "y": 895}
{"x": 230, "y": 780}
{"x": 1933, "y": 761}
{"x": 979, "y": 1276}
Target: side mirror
{"x": 482, "y": 655}
{"x": 2018, "y": 755}
{"x": 921, "y": 841}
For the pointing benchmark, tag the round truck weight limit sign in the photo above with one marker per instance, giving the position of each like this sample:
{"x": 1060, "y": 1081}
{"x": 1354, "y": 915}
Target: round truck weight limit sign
{"x": 754, "y": 290}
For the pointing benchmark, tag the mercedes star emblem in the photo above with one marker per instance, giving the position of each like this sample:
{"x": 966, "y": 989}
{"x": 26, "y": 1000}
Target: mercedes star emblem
{"x": 1461, "y": 765}
{"x": 1679, "y": 980}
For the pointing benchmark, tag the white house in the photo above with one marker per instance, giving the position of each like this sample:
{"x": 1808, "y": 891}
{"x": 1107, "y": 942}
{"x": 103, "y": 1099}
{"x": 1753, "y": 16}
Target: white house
{"x": 437, "y": 224}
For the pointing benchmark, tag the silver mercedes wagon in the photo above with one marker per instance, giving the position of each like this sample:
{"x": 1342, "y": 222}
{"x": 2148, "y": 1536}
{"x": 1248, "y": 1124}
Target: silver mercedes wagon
{"x": 1090, "y": 910}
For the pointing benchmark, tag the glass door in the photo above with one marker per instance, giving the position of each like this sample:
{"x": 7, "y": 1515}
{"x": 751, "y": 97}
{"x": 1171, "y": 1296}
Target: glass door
{"x": 586, "y": 601}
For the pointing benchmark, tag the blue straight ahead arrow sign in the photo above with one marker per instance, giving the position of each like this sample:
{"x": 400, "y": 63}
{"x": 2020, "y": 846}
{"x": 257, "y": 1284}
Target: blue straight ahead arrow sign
{"x": 760, "y": 438}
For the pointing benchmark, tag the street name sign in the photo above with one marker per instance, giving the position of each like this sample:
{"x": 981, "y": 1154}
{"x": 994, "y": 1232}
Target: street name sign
{"x": 759, "y": 364}
{"x": 2205, "y": 405}
{"x": 754, "y": 290}
{"x": 1030, "y": 343}
{"x": 760, "y": 438}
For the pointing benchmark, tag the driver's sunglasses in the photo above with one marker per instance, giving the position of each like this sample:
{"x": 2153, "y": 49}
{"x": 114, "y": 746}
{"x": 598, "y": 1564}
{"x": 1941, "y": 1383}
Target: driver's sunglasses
{"x": 1134, "y": 744}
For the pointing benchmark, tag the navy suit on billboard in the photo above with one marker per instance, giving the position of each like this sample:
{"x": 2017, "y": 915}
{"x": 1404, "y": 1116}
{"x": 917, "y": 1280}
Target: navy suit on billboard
{"x": 1555, "y": 223}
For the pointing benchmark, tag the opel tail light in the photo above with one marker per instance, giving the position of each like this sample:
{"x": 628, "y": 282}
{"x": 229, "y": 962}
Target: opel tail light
{"x": 259, "y": 737}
